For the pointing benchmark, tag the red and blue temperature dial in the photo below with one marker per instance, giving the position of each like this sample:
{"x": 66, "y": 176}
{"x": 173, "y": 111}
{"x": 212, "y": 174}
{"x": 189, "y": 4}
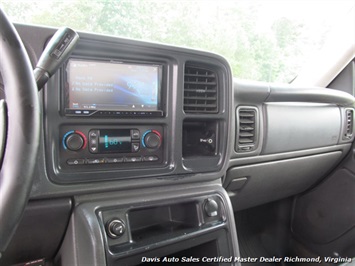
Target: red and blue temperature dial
{"x": 74, "y": 140}
{"x": 151, "y": 139}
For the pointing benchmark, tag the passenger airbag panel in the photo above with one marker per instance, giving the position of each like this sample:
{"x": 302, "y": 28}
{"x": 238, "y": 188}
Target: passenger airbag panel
{"x": 292, "y": 127}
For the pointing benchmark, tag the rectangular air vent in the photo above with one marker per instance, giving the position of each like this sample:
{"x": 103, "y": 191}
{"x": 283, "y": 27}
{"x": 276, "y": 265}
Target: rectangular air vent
{"x": 348, "y": 132}
{"x": 200, "y": 90}
{"x": 246, "y": 129}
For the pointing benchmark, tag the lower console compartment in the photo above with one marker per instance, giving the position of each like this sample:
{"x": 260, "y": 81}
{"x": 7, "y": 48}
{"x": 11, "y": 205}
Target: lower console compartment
{"x": 188, "y": 230}
{"x": 180, "y": 225}
{"x": 200, "y": 250}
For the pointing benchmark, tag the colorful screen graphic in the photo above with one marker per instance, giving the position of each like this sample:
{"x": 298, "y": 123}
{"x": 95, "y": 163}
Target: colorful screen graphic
{"x": 95, "y": 85}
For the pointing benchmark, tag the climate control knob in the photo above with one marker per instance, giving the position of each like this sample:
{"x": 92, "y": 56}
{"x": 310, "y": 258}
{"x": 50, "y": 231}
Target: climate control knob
{"x": 152, "y": 139}
{"x": 74, "y": 141}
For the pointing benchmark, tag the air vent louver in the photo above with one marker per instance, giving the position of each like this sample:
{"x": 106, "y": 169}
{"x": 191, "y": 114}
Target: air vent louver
{"x": 200, "y": 90}
{"x": 246, "y": 129}
{"x": 349, "y": 123}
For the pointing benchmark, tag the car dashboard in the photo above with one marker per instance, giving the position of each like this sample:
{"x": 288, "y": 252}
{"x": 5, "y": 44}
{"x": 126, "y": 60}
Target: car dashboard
{"x": 148, "y": 149}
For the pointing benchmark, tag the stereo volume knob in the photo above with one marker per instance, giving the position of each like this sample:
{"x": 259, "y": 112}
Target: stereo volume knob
{"x": 74, "y": 141}
{"x": 152, "y": 139}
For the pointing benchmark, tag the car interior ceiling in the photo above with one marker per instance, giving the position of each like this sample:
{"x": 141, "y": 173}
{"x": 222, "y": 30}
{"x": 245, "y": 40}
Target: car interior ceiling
{"x": 155, "y": 154}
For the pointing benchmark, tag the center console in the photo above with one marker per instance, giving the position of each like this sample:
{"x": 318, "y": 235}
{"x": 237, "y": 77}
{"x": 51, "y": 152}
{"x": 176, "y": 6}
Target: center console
{"x": 123, "y": 112}
{"x": 99, "y": 88}
{"x": 139, "y": 134}
{"x": 112, "y": 115}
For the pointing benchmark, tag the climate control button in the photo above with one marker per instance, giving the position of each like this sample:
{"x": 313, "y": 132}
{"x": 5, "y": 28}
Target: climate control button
{"x": 93, "y": 141}
{"x": 75, "y": 161}
{"x": 151, "y": 158}
{"x": 151, "y": 139}
{"x": 74, "y": 141}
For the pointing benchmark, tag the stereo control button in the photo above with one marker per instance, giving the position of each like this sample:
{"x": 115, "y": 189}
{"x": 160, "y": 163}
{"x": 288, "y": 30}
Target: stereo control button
{"x": 75, "y": 161}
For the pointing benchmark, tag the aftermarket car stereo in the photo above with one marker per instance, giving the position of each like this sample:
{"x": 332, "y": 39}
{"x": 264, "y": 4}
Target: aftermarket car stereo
{"x": 112, "y": 88}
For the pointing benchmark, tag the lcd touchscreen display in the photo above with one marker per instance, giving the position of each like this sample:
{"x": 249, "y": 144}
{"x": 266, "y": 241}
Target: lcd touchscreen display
{"x": 99, "y": 85}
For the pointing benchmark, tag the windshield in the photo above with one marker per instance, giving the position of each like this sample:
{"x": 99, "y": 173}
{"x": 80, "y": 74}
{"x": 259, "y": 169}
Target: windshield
{"x": 262, "y": 40}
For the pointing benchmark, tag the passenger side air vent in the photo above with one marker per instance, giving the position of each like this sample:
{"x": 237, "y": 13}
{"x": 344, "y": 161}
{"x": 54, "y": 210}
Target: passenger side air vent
{"x": 246, "y": 129}
{"x": 348, "y": 132}
{"x": 200, "y": 90}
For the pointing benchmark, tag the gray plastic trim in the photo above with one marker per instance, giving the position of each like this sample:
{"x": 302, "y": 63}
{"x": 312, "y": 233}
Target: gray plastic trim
{"x": 258, "y": 92}
{"x": 250, "y": 92}
{"x": 278, "y": 179}
{"x": 344, "y": 148}
{"x": 288, "y": 93}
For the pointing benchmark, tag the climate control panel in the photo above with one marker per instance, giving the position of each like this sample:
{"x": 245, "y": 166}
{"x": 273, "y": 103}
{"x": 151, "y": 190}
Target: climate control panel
{"x": 112, "y": 146}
